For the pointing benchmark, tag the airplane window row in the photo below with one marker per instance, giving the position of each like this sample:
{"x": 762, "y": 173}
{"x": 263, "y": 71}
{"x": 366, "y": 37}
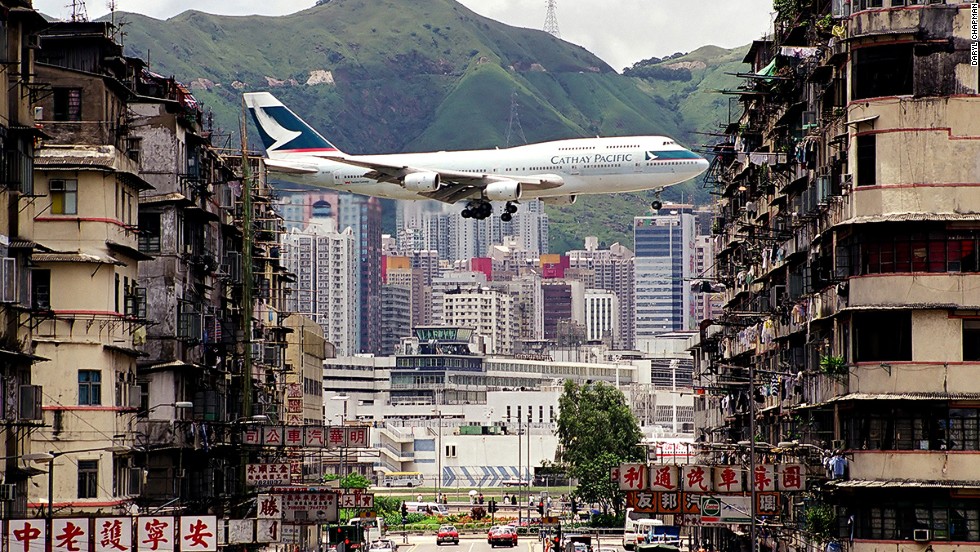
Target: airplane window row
{"x": 577, "y": 149}
{"x": 649, "y": 164}
{"x": 619, "y": 147}
{"x": 600, "y": 166}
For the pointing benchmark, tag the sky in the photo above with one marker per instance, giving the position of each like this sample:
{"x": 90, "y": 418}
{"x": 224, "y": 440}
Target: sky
{"x": 621, "y": 32}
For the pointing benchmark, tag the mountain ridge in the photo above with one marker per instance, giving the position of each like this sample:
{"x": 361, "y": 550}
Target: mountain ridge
{"x": 383, "y": 76}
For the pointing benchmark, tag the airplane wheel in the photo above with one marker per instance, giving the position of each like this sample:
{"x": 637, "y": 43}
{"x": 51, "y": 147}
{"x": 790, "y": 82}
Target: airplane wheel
{"x": 505, "y": 217}
{"x": 487, "y": 210}
{"x": 511, "y": 208}
{"x": 657, "y": 205}
{"x": 467, "y": 213}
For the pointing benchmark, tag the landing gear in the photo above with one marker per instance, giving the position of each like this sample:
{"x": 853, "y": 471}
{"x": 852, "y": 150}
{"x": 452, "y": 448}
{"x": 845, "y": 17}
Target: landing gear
{"x": 656, "y": 204}
{"x": 478, "y": 210}
{"x": 509, "y": 209}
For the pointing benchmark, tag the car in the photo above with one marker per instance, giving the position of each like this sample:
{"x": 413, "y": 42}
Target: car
{"x": 383, "y": 545}
{"x": 504, "y": 535}
{"x": 447, "y": 533}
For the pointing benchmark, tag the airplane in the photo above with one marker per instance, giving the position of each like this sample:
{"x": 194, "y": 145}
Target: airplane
{"x": 556, "y": 172}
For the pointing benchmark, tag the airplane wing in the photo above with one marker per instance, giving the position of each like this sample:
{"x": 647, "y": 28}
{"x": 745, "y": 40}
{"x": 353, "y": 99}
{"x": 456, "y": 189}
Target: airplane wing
{"x": 290, "y": 167}
{"x": 456, "y": 185}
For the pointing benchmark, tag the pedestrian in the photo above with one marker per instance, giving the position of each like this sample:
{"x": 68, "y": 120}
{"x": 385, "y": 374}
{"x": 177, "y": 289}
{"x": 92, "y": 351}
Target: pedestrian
{"x": 481, "y": 498}
{"x": 419, "y": 498}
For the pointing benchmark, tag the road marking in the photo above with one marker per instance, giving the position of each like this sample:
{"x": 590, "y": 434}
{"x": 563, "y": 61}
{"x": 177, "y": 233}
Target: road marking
{"x": 472, "y": 544}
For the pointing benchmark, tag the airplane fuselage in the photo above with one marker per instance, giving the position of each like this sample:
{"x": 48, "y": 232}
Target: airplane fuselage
{"x": 584, "y": 165}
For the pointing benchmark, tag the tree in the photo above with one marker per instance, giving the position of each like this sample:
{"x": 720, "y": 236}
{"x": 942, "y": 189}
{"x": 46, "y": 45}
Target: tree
{"x": 597, "y": 431}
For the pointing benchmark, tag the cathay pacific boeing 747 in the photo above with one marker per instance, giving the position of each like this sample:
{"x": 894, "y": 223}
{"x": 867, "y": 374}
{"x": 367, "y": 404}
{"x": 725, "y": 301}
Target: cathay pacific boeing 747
{"x": 556, "y": 171}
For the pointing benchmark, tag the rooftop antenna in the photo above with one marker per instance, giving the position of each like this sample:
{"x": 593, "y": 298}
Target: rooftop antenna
{"x": 515, "y": 118}
{"x": 78, "y": 11}
{"x": 551, "y": 20}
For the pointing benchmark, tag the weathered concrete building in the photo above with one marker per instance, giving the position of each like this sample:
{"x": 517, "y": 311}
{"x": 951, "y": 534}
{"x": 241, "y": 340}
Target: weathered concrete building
{"x": 21, "y": 411}
{"x": 847, "y": 237}
{"x": 87, "y": 307}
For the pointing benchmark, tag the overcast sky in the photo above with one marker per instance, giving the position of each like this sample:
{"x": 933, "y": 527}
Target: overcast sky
{"x": 620, "y": 32}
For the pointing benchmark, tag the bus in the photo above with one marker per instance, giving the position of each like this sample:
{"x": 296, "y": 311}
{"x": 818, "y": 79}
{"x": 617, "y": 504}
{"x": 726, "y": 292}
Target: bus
{"x": 401, "y": 479}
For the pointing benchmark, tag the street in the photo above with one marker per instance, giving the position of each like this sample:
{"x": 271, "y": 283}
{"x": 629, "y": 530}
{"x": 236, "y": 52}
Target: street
{"x": 477, "y": 542}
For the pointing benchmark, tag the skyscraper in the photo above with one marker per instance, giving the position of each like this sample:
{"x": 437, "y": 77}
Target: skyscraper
{"x": 663, "y": 265}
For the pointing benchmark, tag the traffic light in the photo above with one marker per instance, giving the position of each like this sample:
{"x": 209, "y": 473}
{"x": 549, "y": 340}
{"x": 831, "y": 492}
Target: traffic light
{"x": 404, "y": 510}
{"x": 493, "y": 506}
{"x": 541, "y": 507}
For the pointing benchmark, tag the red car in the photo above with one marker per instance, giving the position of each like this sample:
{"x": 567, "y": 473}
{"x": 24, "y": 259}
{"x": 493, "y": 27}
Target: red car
{"x": 447, "y": 533}
{"x": 503, "y": 535}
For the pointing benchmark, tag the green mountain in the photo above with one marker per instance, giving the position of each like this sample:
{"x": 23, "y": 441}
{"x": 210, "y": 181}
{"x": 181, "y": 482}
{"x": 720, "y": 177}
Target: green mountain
{"x": 385, "y": 75}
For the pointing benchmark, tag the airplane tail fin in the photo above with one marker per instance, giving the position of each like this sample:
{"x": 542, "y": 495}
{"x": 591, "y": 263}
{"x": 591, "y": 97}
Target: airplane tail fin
{"x": 282, "y": 131}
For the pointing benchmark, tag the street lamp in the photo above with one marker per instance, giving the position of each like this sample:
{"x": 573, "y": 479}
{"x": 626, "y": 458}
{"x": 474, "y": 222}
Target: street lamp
{"x": 343, "y": 449}
{"x": 438, "y": 413}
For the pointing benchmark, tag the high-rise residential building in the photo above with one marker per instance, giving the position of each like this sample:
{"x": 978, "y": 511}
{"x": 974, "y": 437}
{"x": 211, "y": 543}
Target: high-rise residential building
{"x": 529, "y": 227}
{"x": 528, "y": 304}
{"x": 325, "y": 264}
{"x": 563, "y": 311}
{"x": 601, "y": 315}
{"x": 297, "y": 208}
{"x": 612, "y": 269}
{"x": 452, "y": 282}
{"x": 488, "y": 312}
{"x": 662, "y": 268}
{"x": 396, "y": 315}
{"x": 707, "y": 305}
{"x": 847, "y": 238}
{"x": 362, "y": 214}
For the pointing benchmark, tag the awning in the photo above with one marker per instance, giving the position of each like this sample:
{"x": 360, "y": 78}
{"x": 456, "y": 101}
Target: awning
{"x": 903, "y": 484}
{"x": 906, "y": 397}
{"x": 862, "y": 120}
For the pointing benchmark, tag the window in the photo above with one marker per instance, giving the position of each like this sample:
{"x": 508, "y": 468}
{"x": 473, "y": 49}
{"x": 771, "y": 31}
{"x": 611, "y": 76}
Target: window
{"x": 971, "y": 340}
{"x": 41, "y": 289}
{"x": 882, "y": 336}
{"x": 88, "y": 479}
{"x": 67, "y": 104}
{"x": 64, "y": 196}
{"x": 882, "y": 71}
{"x": 867, "y": 160}
{"x": 149, "y": 234}
{"x": 89, "y": 387}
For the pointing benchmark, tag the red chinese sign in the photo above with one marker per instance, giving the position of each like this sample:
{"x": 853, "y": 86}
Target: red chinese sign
{"x": 633, "y": 477}
{"x": 26, "y": 535}
{"x": 155, "y": 534}
{"x": 113, "y": 534}
{"x": 267, "y": 474}
{"x": 198, "y": 533}
{"x": 69, "y": 535}
{"x": 664, "y": 478}
{"x": 791, "y": 477}
{"x": 696, "y": 478}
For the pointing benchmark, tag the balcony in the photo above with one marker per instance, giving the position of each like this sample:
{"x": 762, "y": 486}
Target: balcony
{"x": 921, "y": 465}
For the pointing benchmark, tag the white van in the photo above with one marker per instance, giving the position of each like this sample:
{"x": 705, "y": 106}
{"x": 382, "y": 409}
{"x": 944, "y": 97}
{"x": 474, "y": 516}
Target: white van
{"x": 426, "y": 507}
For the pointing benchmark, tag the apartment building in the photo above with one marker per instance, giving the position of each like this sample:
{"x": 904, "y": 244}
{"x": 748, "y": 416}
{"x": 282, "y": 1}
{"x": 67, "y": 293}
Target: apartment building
{"x": 611, "y": 269}
{"x": 846, "y": 237}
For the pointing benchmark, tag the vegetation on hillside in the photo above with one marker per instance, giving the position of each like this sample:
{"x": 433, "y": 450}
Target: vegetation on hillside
{"x": 384, "y": 75}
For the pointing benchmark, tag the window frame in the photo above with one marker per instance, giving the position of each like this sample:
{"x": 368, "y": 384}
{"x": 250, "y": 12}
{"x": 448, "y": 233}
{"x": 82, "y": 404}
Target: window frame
{"x": 88, "y": 478}
{"x": 89, "y": 381}
{"x": 64, "y": 198}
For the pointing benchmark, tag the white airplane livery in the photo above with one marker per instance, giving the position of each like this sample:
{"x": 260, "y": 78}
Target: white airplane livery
{"x": 555, "y": 171}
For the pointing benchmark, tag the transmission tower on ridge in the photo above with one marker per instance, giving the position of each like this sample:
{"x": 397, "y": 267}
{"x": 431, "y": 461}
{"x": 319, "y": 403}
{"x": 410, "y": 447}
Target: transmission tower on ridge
{"x": 78, "y": 11}
{"x": 551, "y": 20}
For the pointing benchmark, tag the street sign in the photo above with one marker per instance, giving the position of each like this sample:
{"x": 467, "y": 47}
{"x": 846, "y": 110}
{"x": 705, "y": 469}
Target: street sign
{"x": 723, "y": 509}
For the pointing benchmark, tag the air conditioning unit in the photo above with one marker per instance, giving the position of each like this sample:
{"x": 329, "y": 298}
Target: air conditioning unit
{"x": 921, "y": 535}
{"x": 30, "y": 403}
{"x": 8, "y": 492}
{"x": 135, "y": 396}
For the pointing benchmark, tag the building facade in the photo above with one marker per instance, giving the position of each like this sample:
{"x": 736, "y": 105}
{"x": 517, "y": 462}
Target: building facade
{"x": 846, "y": 238}
{"x": 662, "y": 267}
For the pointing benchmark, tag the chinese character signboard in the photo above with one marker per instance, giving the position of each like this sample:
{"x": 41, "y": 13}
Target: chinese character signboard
{"x": 310, "y": 506}
{"x": 69, "y": 535}
{"x": 114, "y": 534}
{"x": 357, "y": 500}
{"x": 240, "y": 531}
{"x": 664, "y": 478}
{"x": 258, "y": 475}
{"x": 764, "y": 477}
{"x": 268, "y": 530}
{"x": 26, "y": 535}
{"x": 696, "y": 479}
{"x": 269, "y": 506}
{"x": 155, "y": 534}
{"x": 728, "y": 479}
{"x": 357, "y": 437}
{"x": 315, "y": 437}
{"x": 767, "y": 504}
{"x": 633, "y": 477}
{"x": 198, "y": 533}
{"x": 791, "y": 477}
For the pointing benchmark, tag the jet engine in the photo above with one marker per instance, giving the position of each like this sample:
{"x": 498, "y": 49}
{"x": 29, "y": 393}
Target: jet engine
{"x": 560, "y": 200}
{"x": 422, "y": 181}
{"x": 506, "y": 190}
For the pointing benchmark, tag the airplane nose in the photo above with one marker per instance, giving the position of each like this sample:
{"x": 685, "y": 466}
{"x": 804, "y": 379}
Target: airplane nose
{"x": 702, "y": 165}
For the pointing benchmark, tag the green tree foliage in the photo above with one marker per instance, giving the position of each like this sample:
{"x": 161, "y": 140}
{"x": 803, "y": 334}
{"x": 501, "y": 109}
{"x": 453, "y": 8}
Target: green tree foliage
{"x": 596, "y": 431}
{"x": 352, "y": 481}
